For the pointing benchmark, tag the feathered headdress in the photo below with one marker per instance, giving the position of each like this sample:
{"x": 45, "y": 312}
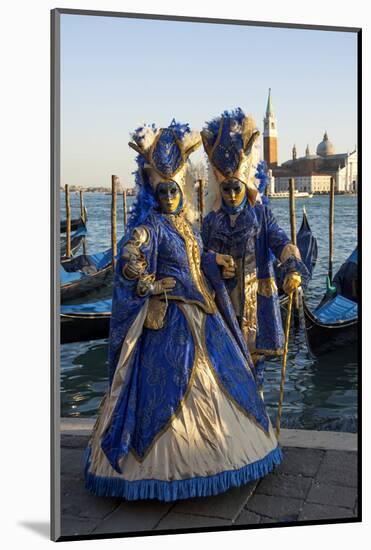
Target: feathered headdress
{"x": 165, "y": 151}
{"x": 163, "y": 156}
{"x": 229, "y": 142}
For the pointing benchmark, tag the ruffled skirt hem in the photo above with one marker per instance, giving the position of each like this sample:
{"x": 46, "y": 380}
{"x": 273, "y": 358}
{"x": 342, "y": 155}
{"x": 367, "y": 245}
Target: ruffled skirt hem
{"x": 179, "y": 489}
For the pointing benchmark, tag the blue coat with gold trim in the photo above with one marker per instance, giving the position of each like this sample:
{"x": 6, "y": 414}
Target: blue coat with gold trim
{"x": 251, "y": 237}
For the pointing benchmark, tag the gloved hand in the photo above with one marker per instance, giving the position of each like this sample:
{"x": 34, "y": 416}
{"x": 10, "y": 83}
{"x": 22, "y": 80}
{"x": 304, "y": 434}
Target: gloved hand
{"x": 160, "y": 286}
{"x": 147, "y": 286}
{"x": 227, "y": 264}
{"x": 292, "y": 282}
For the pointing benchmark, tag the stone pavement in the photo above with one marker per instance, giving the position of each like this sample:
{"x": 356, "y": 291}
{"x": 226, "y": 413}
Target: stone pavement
{"x": 311, "y": 484}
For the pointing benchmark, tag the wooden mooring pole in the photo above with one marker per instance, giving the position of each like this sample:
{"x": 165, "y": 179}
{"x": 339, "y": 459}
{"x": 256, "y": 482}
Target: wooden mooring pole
{"x": 83, "y": 217}
{"x": 293, "y": 230}
{"x": 292, "y": 210}
{"x": 201, "y": 199}
{"x": 115, "y": 181}
{"x": 331, "y": 229}
{"x": 125, "y": 208}
{"x": 68, "y": 221}
{"x": 82, "y": 208}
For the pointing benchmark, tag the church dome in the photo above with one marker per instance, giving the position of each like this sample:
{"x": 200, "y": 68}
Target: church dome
{"x": 325, "y": 147}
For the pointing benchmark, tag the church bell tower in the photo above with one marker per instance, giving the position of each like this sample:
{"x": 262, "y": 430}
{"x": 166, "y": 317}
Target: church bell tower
{"x": 270, "y": 135}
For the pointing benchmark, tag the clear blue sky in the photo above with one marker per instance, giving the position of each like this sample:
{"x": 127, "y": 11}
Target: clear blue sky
{"x": 117, "y": 73}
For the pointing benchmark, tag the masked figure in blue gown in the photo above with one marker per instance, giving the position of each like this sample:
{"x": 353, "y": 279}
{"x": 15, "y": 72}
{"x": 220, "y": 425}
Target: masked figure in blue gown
{"x": 241, "y": 226}
{"x": 182, "y": 416}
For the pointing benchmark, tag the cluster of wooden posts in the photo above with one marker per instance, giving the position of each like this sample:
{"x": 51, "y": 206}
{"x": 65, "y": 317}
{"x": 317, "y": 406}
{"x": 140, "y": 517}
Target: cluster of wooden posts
{"x": 115, "y": 180}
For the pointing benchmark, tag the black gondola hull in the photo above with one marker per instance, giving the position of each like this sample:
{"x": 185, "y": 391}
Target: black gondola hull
{"x": 324, "y": 338}
{"x": 81, "y": 328}
{"x": 86, "y": 286}
{"x": 75, "y": 224}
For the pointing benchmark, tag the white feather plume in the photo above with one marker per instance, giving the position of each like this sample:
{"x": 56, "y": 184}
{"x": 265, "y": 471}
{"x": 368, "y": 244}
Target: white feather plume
{"x": 145, "y": 137}
{"x": 190, "y": 193}
{"x": 212, "y": 195}
{"x": 190, "y": 138}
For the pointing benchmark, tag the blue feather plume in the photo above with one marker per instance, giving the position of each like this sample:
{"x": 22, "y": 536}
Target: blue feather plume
{"x": 262, "y": 175}
{"x": 237, "y": 115}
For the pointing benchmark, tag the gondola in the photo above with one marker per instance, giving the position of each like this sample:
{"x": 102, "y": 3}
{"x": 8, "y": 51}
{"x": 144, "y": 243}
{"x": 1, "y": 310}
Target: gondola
{"x": 307, "y": 245}
{"x": 85, "y": 274}
{"x": 75, "y": 223}
{"x": 82, "y": 322}
{"x": 77, "y": 238}
{"x": 334, "y": 322}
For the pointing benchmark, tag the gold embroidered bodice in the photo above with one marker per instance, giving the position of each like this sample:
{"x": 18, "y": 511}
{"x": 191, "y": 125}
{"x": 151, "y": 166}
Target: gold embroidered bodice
{"x": 185, "y": 230}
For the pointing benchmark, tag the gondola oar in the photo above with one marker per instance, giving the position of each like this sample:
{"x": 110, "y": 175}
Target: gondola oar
{"x": 284, "y": 363}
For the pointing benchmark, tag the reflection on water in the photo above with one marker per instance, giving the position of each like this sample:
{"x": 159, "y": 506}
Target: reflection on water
{"x": 319, "y": 394}
{"x": 83, "y": 377}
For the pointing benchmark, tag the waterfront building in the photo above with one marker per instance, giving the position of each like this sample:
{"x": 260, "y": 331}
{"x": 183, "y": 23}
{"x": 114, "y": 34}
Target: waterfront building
{"x": 312, "y": 172}
{"x": 308, "y": 183}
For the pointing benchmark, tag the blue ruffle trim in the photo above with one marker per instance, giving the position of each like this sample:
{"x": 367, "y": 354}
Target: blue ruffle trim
{"x": 179, "y": 489}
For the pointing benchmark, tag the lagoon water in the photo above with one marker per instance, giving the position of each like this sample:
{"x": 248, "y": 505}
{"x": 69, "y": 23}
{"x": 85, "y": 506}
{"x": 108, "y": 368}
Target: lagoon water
{"x": 319, "y": 394}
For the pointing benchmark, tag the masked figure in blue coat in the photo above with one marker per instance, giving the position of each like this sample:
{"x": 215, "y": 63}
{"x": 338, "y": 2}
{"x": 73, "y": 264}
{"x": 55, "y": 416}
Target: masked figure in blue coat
{"x": 182, "y": 416}
{"x": 241, "y": 226}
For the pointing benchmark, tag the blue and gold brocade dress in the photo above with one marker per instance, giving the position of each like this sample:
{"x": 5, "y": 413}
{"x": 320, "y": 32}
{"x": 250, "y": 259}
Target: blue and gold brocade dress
{"x": 182, "y": 416}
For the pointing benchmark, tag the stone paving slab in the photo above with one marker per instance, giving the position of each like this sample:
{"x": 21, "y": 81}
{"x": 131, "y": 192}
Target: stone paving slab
{"x": 313, "y": 439}
{"x": 74, "y": 441}
{"x": 340, "y": 468}
{"x": 189, "y": 521}
{"x": 312, "y": 511}
{"x": 279, "y": 508}
{"x": 294, "y": 486}
{"x": 134, "y": 516}
{"x": 76, "y": 501}
{"x": 226, "y": 505}
{"x": 72, "y": 462}
{"x": 333, "y": 495}
{"x": 72, "y": 526}
{"x": 298, "y": 461}
{"x": 248, "y": 518}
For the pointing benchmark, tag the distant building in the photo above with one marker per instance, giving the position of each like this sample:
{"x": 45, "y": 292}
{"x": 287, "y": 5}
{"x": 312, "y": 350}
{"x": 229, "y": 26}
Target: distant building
{"x": 312, "y": 172}
{"x": 310, "y": 183}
